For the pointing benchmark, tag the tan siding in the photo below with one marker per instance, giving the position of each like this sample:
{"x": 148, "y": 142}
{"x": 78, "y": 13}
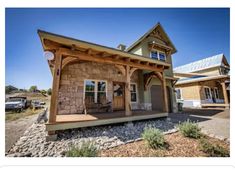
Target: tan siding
{"x": 190, "y": 91}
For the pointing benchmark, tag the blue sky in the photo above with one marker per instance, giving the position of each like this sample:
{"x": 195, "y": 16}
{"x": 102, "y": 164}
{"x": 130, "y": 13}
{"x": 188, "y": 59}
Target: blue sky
{"x": 196, "y": 33}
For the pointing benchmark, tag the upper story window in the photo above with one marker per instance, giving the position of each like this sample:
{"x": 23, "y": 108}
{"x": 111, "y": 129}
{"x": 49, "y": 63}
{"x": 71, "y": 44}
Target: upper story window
{"x": 154, "y": 55}
{"x": 158, "y": 55}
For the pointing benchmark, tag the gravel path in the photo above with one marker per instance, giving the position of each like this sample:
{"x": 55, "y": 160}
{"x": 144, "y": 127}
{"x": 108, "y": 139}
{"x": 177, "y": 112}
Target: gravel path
{"x": 15, "y": 129}
{"x": 33, "y": 142}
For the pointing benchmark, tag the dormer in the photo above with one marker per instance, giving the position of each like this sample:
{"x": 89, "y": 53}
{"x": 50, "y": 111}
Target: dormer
{"x": 154, "y": 44}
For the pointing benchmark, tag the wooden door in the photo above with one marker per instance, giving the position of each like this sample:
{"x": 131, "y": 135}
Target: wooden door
{"x": 118, "y": 96}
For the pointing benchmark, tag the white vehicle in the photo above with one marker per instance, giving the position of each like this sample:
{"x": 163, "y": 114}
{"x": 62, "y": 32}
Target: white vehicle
{"x": 16, "y": 104}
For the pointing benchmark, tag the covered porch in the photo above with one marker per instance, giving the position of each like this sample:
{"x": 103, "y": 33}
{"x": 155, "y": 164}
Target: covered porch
{"x": 67, "y": 50}
{"x": 86, "y": 120}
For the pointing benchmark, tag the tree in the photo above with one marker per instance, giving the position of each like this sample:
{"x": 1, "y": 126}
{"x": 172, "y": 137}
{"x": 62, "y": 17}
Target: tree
{"x": 33, "y": 88}
{"x": 43, "y": 91}
{"x": 49, "y": 91}
{"x": 10, "y": 88}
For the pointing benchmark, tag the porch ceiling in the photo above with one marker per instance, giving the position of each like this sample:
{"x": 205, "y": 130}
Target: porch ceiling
{"x": 74, "y": 50}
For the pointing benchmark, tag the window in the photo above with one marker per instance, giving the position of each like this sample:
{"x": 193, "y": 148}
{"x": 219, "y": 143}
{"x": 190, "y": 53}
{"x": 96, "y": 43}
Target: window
{"x": 133, "y": 93}
{"x": 216, "y": 93}
{"x": 158, "y": 55}
{"x": 207, "y": 93}
{"x": 178, "y": 94}
{"x": 162, "y": 56}
{"x": 95, "y": 91}
{"x": 154, "y": 55}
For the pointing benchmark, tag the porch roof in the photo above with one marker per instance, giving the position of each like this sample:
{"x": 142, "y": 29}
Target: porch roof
{"x": 51, "y": 42}
{"x": 201, "y": 79}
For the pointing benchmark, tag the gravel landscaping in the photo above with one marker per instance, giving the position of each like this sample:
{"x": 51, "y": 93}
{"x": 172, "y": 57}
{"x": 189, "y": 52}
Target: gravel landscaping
{"x": 33, "y": 142}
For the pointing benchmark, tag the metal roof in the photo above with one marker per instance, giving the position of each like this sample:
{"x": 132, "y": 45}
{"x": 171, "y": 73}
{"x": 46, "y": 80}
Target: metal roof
{"x": 205, "y": 63}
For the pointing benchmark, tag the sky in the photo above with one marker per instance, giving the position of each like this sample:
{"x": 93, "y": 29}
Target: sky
{"x": 196, "y": 33}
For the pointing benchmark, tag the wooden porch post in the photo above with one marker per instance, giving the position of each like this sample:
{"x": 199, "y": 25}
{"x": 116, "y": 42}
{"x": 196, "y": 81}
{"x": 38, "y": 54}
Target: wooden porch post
{"x": 127, "y": 92}
{"x": 164, "y": 88}
{"x": 55, "y": 87}
{"x": 224, "y": 93}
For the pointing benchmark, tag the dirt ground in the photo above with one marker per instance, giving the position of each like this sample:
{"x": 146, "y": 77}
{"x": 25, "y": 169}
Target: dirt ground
{"x": 15, "y": 129}
{"x": 179, "y": 146}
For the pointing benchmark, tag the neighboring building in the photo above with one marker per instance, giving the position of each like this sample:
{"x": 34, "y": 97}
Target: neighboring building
{"x": 88, "y": 77}
{"x": 204, "y": 83}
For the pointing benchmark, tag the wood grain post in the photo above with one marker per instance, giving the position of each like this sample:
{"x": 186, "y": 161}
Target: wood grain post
{"x": 55, "y": 87}
{"x": 164, "y": 88}
{"x": 224, "y": 92}
{"x": 127, "y": 92}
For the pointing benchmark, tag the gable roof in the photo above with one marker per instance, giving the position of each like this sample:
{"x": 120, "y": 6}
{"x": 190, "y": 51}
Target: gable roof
{"x": 210, "y": 62}
{"x": 160, "y": 28}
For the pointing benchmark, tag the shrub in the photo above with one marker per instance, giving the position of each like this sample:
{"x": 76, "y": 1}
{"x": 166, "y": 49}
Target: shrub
{"x": 87, "y": 149}
{"x": 190, "y": 129}
{"x": 154, "y": 138}
{"x": 213, "y": 150}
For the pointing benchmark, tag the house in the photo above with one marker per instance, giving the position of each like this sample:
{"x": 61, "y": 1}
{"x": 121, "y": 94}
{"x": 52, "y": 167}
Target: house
{"x": 97, "y": 85}
{"x": 204, "y": 83}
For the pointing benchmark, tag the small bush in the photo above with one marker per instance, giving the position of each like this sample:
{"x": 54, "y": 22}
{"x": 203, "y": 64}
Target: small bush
{"x": 213, "y": 150}
{"x": 85, "y": 150}
{"x": 190, "y": 129}
{"x": 154, "y": 138}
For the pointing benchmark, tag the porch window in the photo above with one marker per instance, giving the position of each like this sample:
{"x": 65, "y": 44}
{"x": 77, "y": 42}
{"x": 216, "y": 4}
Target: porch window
{"x": 207, "y": 93}
{"x": 95, "y": 91}
{"x": 216, "y": 93}
{"x": 133, "y": 93}
{"x": 178, "y": 94}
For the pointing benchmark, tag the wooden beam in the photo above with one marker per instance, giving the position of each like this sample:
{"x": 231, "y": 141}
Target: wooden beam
{"x": 121, "y": 69}
{"x": 86, "y": 57}
{"x": 127, "y": 92}
{"x": 224, "y": 92}
{"x": 68, "y": 60}
{"x": 55, "y": 87}
{"x": 159, "y": 76}
{"x": 164, "y": 88}
{"x": 89, "y": 51}
{"x": 132, "y": 70}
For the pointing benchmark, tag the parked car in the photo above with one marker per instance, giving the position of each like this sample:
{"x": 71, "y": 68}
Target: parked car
{"x": 36, "y": 104}
{"x": 16, "y": 104}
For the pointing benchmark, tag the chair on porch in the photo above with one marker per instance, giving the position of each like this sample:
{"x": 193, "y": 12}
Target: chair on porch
{"x": 103, "y": 106}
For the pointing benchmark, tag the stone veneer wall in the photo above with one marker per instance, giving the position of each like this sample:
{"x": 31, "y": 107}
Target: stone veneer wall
{"x": 72, "y": 84}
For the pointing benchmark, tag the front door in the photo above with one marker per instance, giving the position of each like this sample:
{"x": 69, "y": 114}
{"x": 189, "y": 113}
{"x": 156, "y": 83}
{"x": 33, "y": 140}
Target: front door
{"x": 118, "y": 96}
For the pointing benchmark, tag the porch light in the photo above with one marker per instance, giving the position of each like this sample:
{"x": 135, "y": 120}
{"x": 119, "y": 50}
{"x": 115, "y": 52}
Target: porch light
{"x": 48, "y": 55}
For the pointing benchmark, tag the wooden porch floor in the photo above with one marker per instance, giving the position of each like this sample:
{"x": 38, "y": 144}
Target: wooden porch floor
{"x": 81, "y": 120}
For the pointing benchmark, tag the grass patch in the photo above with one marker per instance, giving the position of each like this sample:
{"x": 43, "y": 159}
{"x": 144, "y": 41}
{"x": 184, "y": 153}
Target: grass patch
{"x": 87, "y": 149}
{"x": 213, "y": 150}
{"x": 11, "y": 116}
{"x": 154, "y": 138}
{"x": 190, "y": 129}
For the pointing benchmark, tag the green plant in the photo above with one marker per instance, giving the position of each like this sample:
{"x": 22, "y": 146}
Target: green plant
{"x": 213, "y": 150}
{"x": 87, "y": 149}
{"x": 190, "y": 129}
{"x": 154, "y": 138}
